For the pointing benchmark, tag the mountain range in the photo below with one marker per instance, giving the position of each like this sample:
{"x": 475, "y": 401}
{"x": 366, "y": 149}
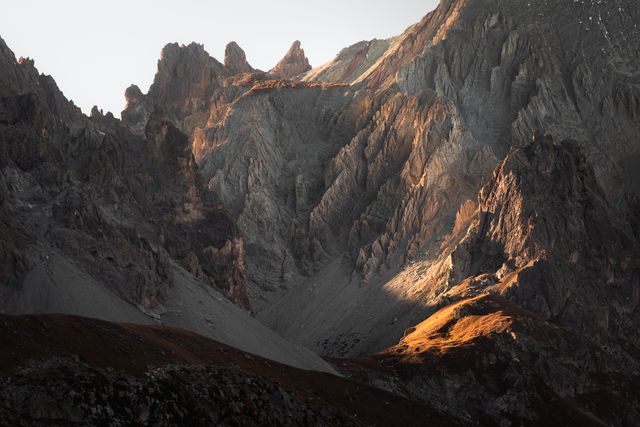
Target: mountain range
{"x": 438, "y": 228}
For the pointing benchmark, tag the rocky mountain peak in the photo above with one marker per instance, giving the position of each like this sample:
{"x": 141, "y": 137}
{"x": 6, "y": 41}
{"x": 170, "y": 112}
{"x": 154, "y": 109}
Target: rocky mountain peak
{"x": 137, "y": 110}
{"x": 96, "y": 113}
{"x": 235, "y": 59}
{"x": 16, "y": 77}
{"x": 293, "y": 64}
{"x": 187, "y": 77}
{"x": 133, "y": 94}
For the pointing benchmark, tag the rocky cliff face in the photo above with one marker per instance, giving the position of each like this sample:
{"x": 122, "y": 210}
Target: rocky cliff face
{"x": 90, "y": 177}
{"x": 115, "y": 222}
{"x": 293, "y": 64}
{"x": 235, "y": 60}
{"x": 516, "y": 298}
{"x": 282, "y": 141}
{"x": 187, "y": 79}
{"x": 137, "y": 111}
{"x": 544, "y": 222}
{"x": 479, "y": 168}
{"x": 456, "y": 92}
{"x": 345, "y": 195}
{"x": 191, "y": 88}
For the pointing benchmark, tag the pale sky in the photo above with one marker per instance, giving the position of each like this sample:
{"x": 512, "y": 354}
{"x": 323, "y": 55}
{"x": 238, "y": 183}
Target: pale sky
{"x": 96, "y": 49}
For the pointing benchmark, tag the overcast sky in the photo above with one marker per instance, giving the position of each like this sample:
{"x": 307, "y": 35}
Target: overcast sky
{"x": 95, "y": 49}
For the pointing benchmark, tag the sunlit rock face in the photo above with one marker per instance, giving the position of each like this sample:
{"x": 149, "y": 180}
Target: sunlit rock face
{"x": 293, "y": 64}
{"x": 351, "y": 63}
{"x": 536, "y": 301}
{"x": 235, "y": 60}
{"x": 186, "y": 80}
{"x": 111, "y": 219}
{"x": 137, "y": 110}
{"x": 545, "y": 237}
{"x": 101, "y": 222}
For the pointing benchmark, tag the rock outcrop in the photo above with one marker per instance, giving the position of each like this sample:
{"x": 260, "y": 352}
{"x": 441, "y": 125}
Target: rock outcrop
{"x": 191, "y": 88}
{"x": 137, "y": 110}
{"x": 452, "y": 96}
{"x": 186, "y": 80}
{"x": 349, "y": 192}
{"x": 235, "y": 60}
{"x": 545, "y": 229}
{"x": 292, "y": 65}
{"x": 505, "y": 365}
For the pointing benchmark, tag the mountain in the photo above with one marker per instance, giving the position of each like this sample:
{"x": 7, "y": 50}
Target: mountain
{"x": 516, "y": 334}
{"x": 235, "y": 60}
{"x": 293, "y": 64}
{"x": 102, "y": 222}
{"x": 344, "y": 194}
{"x": 451, "y": 215}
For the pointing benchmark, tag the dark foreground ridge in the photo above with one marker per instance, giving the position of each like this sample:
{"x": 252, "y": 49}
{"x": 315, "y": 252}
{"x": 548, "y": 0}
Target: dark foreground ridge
{"x": 65, "y": 370}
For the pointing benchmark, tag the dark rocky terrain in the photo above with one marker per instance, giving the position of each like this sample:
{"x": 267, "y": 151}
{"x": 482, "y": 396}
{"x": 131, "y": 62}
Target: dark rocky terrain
{"x": 451, "y": 215}
{"x": 90, "y": 372}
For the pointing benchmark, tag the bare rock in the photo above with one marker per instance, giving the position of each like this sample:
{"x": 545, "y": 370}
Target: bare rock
{"x": 137, "y": 110}
{"x": 235, "y": 59}
{"x": 293, "y": 64}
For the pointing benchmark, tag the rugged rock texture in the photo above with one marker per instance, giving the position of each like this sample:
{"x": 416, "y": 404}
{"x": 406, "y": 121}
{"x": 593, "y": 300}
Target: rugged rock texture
{"x": 137, "y": 111}
{"x": 345, "y": 195}
{"x": 67, "y": 393}
{"x": 518, "y": 326}
{"x": 271, "y": 148}
{"x": 187, "y": 79}
{"x": 544, "y": 222}
{"x": 456, "y": 92}
{"x": 235, "y": 59}
{"x": 292, "y": 65}
{"x": 111, "y": 169}
{"x": 191, "y": 88}
{"x": 16, "y": 78}
{"x": 358, "y": 198}
{"x": 102, "y": 222}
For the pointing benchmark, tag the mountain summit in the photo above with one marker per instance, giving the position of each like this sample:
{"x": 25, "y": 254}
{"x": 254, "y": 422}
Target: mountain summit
{"x": 293, "y": 64}
{"x": 235, "y": 59}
